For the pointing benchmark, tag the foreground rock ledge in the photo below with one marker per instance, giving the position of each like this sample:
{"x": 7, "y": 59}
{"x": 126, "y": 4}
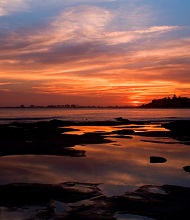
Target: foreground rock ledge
{"x": 86, "y": 201}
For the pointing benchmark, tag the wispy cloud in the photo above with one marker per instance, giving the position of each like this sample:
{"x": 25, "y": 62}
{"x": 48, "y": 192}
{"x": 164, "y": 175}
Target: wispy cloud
{"x": 4, "y": 86}
{"x": 68, "y": 29}
{"x": 9, "y": 6}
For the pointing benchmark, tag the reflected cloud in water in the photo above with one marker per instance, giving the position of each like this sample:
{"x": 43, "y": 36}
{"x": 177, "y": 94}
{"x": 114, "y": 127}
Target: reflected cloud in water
{"x": 118, "y": 166}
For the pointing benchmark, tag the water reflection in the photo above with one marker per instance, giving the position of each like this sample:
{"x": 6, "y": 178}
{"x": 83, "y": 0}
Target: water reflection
{"x": 119, "y": 166}
{"x": 84, "y": 129}
{"x": 137, "y": 128}
{"x": 131, "y": 217}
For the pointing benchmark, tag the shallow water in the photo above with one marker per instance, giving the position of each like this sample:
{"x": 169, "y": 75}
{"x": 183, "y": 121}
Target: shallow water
{"x": 118, "y": 166}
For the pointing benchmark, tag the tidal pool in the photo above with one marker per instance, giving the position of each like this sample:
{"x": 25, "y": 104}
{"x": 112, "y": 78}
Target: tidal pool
{"x": 117, "y": 166}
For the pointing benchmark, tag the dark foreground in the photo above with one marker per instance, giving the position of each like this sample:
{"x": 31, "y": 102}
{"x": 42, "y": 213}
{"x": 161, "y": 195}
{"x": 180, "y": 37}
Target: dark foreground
{"x": 73, "y": 200}
{"x": 170, "y": 202}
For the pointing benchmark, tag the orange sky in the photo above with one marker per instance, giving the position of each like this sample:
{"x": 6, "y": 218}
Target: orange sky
{"x": 99, "y": 53}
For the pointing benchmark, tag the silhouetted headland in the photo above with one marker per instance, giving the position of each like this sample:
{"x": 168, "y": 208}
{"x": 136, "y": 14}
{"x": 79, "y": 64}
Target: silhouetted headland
{"x": 167, "y": 102}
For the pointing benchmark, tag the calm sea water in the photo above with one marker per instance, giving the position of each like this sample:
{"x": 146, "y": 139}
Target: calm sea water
{"x": 91, "y": 114}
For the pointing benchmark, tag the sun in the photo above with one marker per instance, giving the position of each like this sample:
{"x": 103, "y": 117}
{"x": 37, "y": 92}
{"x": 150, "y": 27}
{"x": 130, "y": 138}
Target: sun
{"x": 136, "y": 103}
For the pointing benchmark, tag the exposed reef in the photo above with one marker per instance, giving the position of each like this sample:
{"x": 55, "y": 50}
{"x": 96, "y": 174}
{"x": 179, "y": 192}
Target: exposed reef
{"x": 44, "y": 138}
{"x": 51, "y": 137}
{"x": 86, "y": 201}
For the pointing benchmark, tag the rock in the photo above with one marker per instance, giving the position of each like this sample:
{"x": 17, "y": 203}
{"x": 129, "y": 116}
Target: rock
{"x": 155, "y": 159}
{"x": 124, "y": 132}
{"x": 85, "y": 201}
{"x": 165, "y": 202}
{"x": 121, "y": 119}
{"x": 187, "y": 169}
{"x": 22, "y": 194}
{"x": 180, "y": 127}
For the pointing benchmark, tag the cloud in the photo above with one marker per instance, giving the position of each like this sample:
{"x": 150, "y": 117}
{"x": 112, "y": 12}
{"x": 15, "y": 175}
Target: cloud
{"x": 9, "y": 6}
{"x": 75, "y": 26}
{"x": 157, "y": 29}
{"x": 4, "y": 83}
{"x": 83, "y": 51}
{"x": 129, "y": 36}
{"x": 91, "y": 24}
{"x": 82, "y": 23}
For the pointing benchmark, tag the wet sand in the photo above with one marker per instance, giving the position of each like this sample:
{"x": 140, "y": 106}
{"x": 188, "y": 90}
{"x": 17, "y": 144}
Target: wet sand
{"x": 75, "y": 200}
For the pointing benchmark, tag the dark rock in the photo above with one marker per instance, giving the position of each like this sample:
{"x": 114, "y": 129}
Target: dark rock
{"x": 21, "y": 194}
{"x": 179, "y": 130}
{"x": 181, "y": 127}
{"x": 86, "y": 201}
{"x": 124, "y": 132}
{"x": 47, "y": 138}
{"x": 154, "y": 133}
{"x": 165, "y": 202}
{"x": 121, "y": 119}
{"x": 187, "y": 169}
{"x": 123, "y": 136}
{"x": 155, "y": 159}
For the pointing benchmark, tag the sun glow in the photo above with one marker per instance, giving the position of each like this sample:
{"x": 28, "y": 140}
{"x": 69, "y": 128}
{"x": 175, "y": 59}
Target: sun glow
{"x": 136, "y": 103}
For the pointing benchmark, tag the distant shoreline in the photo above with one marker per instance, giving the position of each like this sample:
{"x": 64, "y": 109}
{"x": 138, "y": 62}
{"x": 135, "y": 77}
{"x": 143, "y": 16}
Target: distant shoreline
{"x": 77, "y": 107}
{"x": 91, "y": 107}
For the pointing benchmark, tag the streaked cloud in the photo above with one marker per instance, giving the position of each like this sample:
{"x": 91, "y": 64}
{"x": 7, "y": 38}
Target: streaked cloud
{"x": 4, "y": 83}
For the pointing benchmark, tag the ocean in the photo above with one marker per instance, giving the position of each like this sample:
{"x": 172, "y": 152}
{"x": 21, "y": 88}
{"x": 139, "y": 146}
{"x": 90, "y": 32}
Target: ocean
{"x": 91, "y": 114}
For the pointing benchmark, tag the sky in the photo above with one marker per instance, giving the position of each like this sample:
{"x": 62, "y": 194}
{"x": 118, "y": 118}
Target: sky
{"x": 95, "y": 52}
